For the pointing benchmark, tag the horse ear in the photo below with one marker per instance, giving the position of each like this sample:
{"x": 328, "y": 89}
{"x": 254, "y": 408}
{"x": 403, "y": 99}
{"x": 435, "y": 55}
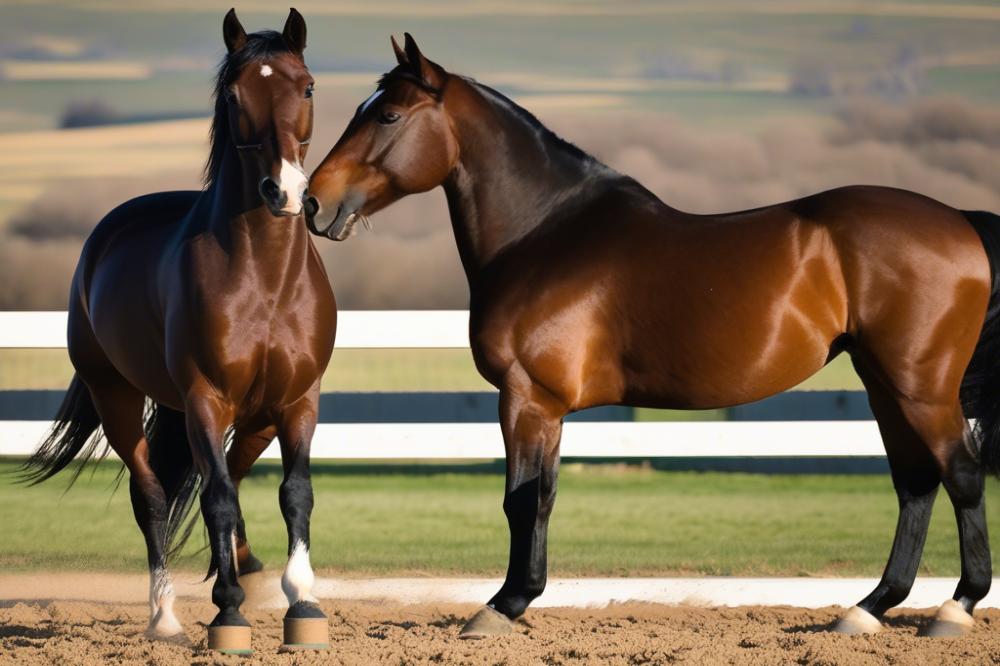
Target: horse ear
{"x": 400, "y": 53}
{"x": 295, "y": 31}
{"x": 431, "y": 73}
{"x": 233, "y": 32}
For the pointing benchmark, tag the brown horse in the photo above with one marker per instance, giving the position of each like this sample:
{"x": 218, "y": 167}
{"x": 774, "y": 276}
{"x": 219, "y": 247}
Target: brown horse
{"x": 215, "y": 305}
{"x": 588, "y": 290}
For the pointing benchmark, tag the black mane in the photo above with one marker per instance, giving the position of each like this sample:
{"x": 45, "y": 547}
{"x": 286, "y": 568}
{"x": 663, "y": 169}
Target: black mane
{"x": 535, "y": 124}
{"x": 401, "y": 72}
{"x": 259, "y": 46}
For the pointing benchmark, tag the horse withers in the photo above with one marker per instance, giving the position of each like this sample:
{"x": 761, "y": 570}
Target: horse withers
{"x": 214, "y": 305}
{"x": 586, "y": 289}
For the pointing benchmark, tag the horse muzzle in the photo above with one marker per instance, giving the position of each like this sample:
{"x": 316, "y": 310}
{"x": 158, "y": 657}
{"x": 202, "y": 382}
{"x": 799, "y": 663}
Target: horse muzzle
{"x": 338, "y": 227}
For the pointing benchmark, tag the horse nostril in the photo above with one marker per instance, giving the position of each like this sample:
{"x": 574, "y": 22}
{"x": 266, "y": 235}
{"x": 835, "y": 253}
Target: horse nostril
{"x": 311, "y": 206}
{"x": 271, "y": 191}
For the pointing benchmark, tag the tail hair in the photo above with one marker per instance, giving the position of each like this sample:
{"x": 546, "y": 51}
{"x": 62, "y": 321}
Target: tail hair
{"x": 980, "y": 393}
{"x": 171, "y": 461}
{"x": 75, "y": 434}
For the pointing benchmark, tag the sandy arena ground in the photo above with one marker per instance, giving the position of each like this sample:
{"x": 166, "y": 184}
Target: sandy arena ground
{"x": 89, "y": 632}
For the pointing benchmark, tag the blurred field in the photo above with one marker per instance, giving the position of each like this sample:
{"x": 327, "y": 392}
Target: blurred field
{"x": 608, "y": 521}
{"x": 357, "y": 370}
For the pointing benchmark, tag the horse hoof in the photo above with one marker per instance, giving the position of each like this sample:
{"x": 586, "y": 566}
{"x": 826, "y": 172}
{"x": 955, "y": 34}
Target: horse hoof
{"x": 486, "y": 622}
{"x": 167, "y": 635}
{"x": 306, "y": 628}
{"x": 165, "y": 627}
{"x": 857, "y": 621}
{"x": 229, "y": 639}
{"x": 951, "y": 620}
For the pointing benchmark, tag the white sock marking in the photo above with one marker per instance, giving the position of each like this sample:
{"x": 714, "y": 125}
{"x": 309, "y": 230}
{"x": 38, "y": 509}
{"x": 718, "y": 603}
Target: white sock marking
{"x": 162, "y": 621}
{"x": 297, "y": 581}
{"x": 292, "y": 180}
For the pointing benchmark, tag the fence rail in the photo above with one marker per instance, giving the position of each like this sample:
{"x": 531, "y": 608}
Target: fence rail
{"x": 762, "y": 438}
{"x": 356, "y": 329}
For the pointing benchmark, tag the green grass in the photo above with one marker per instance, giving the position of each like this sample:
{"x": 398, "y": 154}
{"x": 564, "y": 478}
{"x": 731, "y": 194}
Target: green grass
{"x": 609, "y": 521}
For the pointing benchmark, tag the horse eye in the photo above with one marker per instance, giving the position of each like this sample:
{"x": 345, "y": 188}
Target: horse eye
{"x": 388, "y": 117}
{"x": 309, "y": 91}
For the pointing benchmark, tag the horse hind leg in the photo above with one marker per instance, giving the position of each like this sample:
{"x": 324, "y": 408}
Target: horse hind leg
{"x": 964, "y": 481}
{"x": 911, "y": 433}
{"x": 121, "y": 408}
{"x": 246, "y": 449}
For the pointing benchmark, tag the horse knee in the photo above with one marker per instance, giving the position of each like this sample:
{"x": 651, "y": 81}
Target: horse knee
{"x": 295, "y": 495}
{"x": 219, "y": 504}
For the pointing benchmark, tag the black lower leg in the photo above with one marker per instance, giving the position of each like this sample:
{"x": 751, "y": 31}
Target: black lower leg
{"x": 296, "y": 499}
{"x": 528, "y": 507}
{"x": 915, "y": 504}
{"x": 150, "y": 508}
{"x": 247, "y": 561}
{"x": 964, "y": 483}
{"x": 219, "y": 508}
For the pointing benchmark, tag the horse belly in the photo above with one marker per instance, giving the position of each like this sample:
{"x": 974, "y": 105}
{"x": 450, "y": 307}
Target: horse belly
{"x": 694, "y": 375}
{"x": 718, "y": 343}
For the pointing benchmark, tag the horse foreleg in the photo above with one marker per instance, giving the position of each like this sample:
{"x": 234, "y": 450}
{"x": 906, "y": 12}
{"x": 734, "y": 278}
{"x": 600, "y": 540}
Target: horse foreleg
{"x": 305, "y": 624}
{"x": 207, "y": 419}
{"x": 532, "y": 428}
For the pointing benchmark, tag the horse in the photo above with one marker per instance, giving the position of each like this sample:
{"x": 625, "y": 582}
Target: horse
{"x": 586, "y": 290}
{"x": 215, "y": 306}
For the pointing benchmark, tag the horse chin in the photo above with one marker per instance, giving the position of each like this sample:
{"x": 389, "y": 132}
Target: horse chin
{"x": 339, "y": 229}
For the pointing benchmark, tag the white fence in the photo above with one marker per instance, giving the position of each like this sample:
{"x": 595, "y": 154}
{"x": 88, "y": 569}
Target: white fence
{"x": 449, "y": 329}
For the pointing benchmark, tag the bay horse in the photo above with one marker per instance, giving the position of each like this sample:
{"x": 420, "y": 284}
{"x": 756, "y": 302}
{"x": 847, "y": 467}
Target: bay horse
{"x": 586, "y": 290}
{"x": 214, "y": 305}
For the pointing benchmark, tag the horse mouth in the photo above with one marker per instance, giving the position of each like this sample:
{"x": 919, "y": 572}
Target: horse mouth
{"x": 340, "y": 228}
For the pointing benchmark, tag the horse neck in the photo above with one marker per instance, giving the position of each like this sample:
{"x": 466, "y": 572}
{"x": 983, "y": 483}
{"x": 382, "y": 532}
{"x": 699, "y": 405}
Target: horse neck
{"x": 512, "y": 177}
{"x": 256, "y": 241}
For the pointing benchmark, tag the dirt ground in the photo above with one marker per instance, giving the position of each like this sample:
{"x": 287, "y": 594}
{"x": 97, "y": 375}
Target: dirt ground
{"x": 92, "y": 632}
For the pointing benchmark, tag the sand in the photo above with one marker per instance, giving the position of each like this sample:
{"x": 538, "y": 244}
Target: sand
{"x": 377, "y": 632}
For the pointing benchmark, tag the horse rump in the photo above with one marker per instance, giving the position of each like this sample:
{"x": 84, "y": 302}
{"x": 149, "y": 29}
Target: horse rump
{"x": 980, "y": 392}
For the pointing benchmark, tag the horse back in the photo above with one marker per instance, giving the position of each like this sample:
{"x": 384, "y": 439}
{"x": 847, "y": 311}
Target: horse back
{"x": 651, "y": 306}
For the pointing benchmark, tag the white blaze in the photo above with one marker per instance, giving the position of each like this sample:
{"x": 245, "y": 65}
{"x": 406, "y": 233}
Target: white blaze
{"x": 292, "y": 180}
{"x": 297, "y": 581}
{"x": 266, "y": 71}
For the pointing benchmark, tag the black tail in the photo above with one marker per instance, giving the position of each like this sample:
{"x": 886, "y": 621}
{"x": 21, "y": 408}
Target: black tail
{"x": 171, "y": 461}
{"x": 981, "y": 384}
{"x": 75, "y": 434}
